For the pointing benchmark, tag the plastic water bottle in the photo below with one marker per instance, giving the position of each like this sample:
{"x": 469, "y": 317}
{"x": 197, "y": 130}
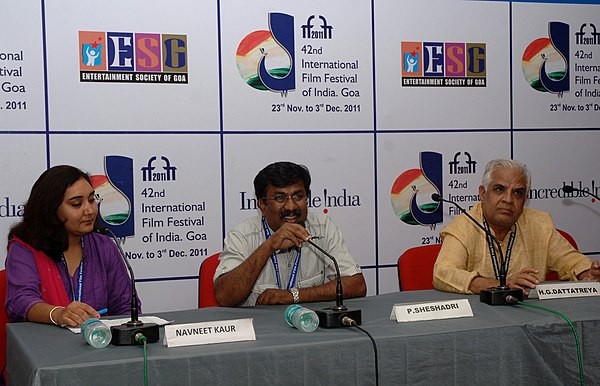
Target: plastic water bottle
{"x": 96, "y": 333}
{"x": 302, "y": 318}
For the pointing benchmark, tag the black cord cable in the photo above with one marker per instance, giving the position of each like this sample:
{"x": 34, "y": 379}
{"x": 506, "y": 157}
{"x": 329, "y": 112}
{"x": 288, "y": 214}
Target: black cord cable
{"x": 577, "y": 344}
{"x": 350, "y": 322}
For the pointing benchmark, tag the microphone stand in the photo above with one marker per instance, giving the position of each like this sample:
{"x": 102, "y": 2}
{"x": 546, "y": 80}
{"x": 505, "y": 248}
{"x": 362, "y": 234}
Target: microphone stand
{"x": 494, "y": 296}
{"x": 130, "y": 333}
{"x": 336, "y": 316}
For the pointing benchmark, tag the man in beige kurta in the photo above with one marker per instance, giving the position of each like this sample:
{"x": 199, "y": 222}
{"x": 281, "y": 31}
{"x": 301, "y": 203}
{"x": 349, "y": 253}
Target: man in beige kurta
{"x": 464, "y": 263}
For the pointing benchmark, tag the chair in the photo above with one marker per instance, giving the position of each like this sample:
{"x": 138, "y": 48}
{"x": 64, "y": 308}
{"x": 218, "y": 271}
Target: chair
{"x": 553, "y": 275}
{"x": 569, "y": 238}
{"x": 206, "y": 286}
{"x": 3, "y": 322}
{"x": 415, "y": 267}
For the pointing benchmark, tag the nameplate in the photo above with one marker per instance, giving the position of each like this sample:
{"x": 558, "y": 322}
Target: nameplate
{"x": 566, "y": 289}
{"x": 412, "y": 312}
{"x": 219, "y": 331}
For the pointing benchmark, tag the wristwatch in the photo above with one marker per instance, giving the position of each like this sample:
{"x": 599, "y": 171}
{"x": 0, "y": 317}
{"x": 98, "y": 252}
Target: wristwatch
{"x": 295, "y": 294}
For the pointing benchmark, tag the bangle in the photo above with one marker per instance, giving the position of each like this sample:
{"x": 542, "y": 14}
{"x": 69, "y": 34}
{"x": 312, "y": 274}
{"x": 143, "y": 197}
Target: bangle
{"x": 51, "y": 311}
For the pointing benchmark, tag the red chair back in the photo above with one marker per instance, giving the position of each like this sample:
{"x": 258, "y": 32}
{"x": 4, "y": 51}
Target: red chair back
{"x": 206, "y": 285}
{"x": 415, "y": 267}
{"x": 569, "y": 238}
{"x": 3, "y": 321}
{"x": 553, "y": 275}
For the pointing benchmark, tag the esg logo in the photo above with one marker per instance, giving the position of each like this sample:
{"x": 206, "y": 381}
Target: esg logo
{"x": 129, "y": 51}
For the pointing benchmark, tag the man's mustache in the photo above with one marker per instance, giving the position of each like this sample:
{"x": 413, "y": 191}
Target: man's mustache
{"x": 289, "y": 213}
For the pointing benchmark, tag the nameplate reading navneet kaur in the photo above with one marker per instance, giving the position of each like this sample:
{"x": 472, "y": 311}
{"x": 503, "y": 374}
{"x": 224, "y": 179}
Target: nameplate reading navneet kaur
{"x": 219, "y": 331}
{"x": 412, "y": 312}
{"x": 565, "y": 289}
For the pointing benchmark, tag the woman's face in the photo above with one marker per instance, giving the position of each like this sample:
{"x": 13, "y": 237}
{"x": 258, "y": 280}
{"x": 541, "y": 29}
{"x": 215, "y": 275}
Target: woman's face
{"x": 79, "y": 208}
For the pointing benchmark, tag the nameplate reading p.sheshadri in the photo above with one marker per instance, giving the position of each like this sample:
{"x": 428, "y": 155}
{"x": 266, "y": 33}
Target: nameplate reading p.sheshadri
{"x": 448, "y": 309}
{"x": 566, "y": 289}
{"x": 219, "y": 331}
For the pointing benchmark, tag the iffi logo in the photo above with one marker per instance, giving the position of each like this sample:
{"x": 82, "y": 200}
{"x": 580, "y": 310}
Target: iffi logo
{"x": 443, "y": 64}
{"x": 456, "y": 165}
{"x": 412, "y": 190}
{"x": 325, "y": 31}
{"x": 545, "y": 61}
{"x": 165, "y": 173}
{"x": 265, "y": 59}
{"x": 583, "y": 38}
{"x": 132, "y": 57}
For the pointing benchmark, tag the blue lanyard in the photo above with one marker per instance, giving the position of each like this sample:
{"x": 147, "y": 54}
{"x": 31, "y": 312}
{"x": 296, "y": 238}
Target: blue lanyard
{"x": 79, "y": 285}
{"x": 294, "y": 273}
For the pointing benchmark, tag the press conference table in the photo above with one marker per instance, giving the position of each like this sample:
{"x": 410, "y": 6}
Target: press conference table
{"x": 499, "y": 345}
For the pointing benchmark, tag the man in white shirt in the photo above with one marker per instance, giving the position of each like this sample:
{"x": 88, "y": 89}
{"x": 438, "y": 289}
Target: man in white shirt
{"x": 265, "y": 259}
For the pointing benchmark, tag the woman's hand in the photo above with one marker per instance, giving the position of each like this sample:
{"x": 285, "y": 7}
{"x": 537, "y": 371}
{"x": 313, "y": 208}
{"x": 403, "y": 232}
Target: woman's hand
{"x": 74, "y": 314}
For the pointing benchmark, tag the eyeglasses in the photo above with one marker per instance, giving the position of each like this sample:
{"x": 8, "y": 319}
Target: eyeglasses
{"x": 283, "y": 198}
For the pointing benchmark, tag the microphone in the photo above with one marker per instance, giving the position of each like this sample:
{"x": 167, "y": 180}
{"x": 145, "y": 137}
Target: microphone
{"x": 494, "y": 296}
{"x": 336, "y": 316}
{"x": 571, "y": 189}
{"x": 133, "y": 331}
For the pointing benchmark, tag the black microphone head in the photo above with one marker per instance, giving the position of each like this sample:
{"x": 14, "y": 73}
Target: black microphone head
{"x": 568, "y": 189}
{"x": 102, "y": 230}
{"x": 301, "y": 223}
{"x": 436, "y": 197}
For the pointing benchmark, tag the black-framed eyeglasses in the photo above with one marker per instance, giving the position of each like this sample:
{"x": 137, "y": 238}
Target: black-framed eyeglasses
{"x": 283, "y": 198}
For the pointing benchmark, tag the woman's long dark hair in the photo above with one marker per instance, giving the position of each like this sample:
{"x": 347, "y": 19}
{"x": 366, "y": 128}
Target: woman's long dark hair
{"x": 40, "y": 226}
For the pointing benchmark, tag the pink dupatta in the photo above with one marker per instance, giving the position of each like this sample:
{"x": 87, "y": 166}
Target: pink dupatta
{"x": 51, "y": 284}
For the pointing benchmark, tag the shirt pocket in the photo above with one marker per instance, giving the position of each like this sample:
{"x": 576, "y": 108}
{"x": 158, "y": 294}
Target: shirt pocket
{"x": 312, "y": 280}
